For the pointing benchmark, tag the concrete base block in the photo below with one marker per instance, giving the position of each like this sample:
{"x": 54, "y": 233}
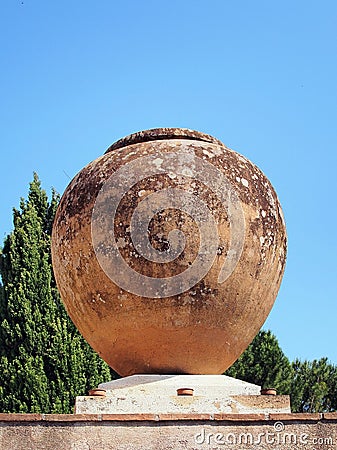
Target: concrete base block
{"x": 159, "y": 394}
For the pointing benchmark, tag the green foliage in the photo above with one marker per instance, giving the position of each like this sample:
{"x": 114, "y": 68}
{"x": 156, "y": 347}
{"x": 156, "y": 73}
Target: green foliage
{"x": 314, "y": 386}
{"x": 44, "y": 362}
{"x": 264, "y": 364}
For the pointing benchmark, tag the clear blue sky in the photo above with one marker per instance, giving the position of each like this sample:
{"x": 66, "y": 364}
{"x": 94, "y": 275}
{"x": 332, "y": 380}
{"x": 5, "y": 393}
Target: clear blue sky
{"x": 259, "y": 75}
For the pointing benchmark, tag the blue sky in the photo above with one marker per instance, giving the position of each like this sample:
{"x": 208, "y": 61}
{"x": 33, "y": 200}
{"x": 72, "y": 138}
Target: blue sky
{"x": 261, "y": 76}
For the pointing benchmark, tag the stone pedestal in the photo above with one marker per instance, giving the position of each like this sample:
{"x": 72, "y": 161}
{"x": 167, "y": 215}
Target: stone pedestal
{"x": 201, "y": 394}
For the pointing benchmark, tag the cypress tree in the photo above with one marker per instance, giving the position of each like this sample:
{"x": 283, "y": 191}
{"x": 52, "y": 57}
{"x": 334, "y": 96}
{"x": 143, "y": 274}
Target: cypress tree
{"x": 44, "y": 361}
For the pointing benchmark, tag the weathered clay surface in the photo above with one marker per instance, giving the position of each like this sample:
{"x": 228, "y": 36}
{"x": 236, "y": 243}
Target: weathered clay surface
{"x": 205, "y": 327}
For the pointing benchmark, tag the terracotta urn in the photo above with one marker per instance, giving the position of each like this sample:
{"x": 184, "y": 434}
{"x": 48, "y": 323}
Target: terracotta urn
{"x": 168, "y": 252}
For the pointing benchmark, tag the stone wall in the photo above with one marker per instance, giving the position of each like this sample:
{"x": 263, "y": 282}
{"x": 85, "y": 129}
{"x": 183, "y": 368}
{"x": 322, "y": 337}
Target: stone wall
{"x": 169, "y": 432}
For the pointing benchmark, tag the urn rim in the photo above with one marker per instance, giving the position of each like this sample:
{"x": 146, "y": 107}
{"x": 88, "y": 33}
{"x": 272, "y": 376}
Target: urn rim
{"x": 159, "y": 134}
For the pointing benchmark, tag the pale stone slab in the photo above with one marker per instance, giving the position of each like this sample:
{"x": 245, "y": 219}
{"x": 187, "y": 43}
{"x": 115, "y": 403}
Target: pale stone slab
{"x": 157, "y": 394}
{"x": 204, "y": 385}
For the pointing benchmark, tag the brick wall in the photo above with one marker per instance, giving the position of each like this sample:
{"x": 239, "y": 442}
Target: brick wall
{"x": 168, "y": 431}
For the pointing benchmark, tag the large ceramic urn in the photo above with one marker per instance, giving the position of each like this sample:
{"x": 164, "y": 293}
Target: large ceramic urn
{"x": 168, "y": 251}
